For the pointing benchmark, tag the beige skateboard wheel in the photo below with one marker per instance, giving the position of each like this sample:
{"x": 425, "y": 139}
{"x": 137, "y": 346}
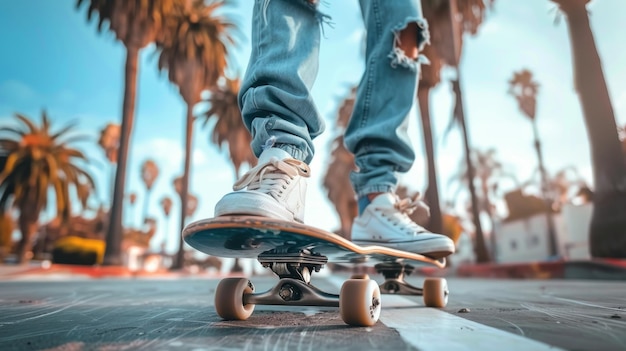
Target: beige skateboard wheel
{"x": 229, "y": 299}
{"x": 359, "y": 302}
{"x": 360, "y": 276}
{"x": 435, "y": 292}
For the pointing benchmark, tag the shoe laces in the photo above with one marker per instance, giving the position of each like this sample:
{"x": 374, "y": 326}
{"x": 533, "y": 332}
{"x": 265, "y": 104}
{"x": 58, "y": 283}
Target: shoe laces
{"x": 399, "y": 215}
{"x": 273, "y": 177}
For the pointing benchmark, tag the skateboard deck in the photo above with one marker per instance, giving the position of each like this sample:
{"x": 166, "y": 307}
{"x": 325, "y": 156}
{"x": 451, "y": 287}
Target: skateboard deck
{"x": 249, "y": 237}
{"x": 294, "y": 251}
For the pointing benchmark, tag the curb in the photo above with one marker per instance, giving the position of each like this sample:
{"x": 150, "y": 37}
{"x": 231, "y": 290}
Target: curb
{"x": 91, "y": 272}
{"x": 605, "y": 269}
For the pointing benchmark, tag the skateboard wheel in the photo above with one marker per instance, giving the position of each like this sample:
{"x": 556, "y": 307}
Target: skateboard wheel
{"x": 229, "y": 299}
{"x": 435, "y": 292}
{"x": 359, "y": 302}
{"x": 360, "y": 276}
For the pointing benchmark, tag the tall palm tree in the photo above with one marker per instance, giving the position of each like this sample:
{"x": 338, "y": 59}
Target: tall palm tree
{"x": 524, "y": 88}
{"x": 136, "y": 23}
{"x": 149, "y": 174}
{"x": 194, "y": 51}
{"x": 607, "y": 231}
{"x": 229, "y": 127}
{"x": 430, "y": 79}
{"x": 448, "y": 21}
{"x": 38, "y": 160}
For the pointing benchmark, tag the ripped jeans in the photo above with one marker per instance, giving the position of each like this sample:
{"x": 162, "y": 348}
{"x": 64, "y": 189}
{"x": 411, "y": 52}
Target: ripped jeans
{"x": 275, "y": 96}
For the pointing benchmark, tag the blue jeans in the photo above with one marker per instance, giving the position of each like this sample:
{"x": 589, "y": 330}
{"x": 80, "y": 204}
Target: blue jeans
{"x": 275, "y": 96}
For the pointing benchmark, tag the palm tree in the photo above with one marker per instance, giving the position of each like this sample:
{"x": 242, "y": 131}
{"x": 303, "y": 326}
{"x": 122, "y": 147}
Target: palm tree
{"x": 136, "y": 23}
{"x": 430, "y": 78}
{"x": 449, "y": 20}
{"x": 194, "y": 52}
{"x": 607, "y": 231}
{"x": 337, "y": 177}
{"x": 166, "y": 205}
{"x": 6, "y": 232}
{"x": 229, "y": 126}
{"x": 524, "y": 89}
{"x": 488, "y": 173}
{"x": 37, "y": 161}
{"x": 109, "y": 141}
{"x": 149, "y": 174}
{"x": 132, "y": 199}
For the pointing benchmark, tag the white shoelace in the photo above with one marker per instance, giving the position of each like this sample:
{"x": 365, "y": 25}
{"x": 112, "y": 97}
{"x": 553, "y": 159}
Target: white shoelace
{"x": 405, "y": 208}
{"x": 273, "y": 177}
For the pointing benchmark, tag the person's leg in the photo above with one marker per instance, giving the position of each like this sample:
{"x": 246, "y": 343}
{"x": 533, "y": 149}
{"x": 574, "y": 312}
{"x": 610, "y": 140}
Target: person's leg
{"x": 278, "y": 110}
{"x": 377, "y": 132}
{"x": 275, "y": 97}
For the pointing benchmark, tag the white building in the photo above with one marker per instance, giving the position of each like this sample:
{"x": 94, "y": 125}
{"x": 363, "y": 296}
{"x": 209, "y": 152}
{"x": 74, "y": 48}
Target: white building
{"x": 526, "y": 240}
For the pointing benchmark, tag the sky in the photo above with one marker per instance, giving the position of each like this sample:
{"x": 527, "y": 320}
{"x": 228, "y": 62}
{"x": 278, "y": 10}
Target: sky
{"x": 53, "y": 59}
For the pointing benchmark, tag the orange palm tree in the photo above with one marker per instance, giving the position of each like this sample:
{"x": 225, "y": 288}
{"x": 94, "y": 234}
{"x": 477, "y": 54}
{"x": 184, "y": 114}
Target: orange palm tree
{"x": 608, "y": 224}
{"x": 37, "y": 160}
{"x": 194, "y": 51}
{"x": 229, "y": 127}
{"x": 136, "y": 23}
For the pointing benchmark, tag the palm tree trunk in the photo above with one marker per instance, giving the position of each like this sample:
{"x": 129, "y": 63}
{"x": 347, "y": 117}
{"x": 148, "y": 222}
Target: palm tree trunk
{"x": 184, "y": 193}
{"x": 607, "y": 231}
{"x": 145, "y": 204}
{"x": 435, "y": 223}
{"x": 28, "y": 228}
{"x": 480, "y": 248}
{"x": 113, "y": 251}
{"x": 547, "y": 194}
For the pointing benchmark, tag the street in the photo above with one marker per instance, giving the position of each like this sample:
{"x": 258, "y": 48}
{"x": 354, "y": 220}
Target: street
{"x": 150, "y": 314}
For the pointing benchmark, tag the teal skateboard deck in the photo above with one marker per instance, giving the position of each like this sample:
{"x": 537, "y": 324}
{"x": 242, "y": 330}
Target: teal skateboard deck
{"x": 249, "y": 237}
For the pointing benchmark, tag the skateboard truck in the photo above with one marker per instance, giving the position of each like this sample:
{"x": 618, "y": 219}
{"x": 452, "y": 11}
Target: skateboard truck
{"x": 394, "y": 283}
{"x": 294, "y": 268}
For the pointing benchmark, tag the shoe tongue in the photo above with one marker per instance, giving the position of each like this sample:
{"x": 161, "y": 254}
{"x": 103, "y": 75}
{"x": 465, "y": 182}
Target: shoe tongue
{"x": 267, "y": 154}
{"x": 385, "y": 200}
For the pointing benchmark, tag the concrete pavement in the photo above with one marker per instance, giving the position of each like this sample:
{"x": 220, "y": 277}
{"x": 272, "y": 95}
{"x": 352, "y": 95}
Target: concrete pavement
{"x": 178, "y": 313}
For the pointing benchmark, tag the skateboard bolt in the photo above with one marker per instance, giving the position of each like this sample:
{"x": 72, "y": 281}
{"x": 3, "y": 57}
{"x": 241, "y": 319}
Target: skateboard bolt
{"x": 288, "y": 292}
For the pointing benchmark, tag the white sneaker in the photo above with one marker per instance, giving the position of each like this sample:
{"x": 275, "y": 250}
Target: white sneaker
{"x": 386, "y": 222}
{"x": 276, "y": 188}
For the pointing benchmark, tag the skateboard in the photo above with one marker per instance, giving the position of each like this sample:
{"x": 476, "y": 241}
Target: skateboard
{"x": 295, "y": 251}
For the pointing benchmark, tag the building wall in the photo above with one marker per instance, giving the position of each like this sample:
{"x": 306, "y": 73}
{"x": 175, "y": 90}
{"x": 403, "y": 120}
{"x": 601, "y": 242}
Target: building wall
{"x": 527, "y": 239}
{"x": 576, "y": 220}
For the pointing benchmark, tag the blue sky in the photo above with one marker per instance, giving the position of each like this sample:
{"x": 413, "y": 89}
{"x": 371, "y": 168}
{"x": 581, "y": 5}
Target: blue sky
{"x": 53, "y": 59}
